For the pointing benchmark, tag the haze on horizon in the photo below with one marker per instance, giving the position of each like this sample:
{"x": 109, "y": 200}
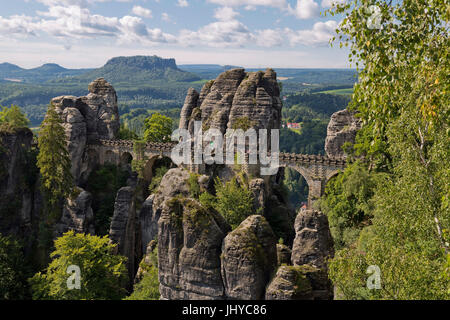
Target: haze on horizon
{"x": 247, "y": 33}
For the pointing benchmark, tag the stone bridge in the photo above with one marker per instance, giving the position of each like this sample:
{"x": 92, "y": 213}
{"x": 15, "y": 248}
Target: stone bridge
{"x": 316, "y": 169}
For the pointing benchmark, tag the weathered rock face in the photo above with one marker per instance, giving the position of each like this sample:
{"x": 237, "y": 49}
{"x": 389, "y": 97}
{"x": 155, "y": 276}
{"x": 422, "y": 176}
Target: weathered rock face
{"x": 77, "y": 215}
{"x": 189, "y": 242}
{"x": 342, "y": 128}
{"x": 234, "y": 95}
{"x": 289, "y": 283}
{"x": 313, "y": 243}
{"x": 249, "y": 256}
{"x": 125, "y": 229}
{"x": 258, "y": 188}
{"x": 313, "y": 246}
{"x": 283, "y": 254}
{"x": 87, "y": 119}
{"x": 20, "y": 198}
{"x": 148, "y": 222}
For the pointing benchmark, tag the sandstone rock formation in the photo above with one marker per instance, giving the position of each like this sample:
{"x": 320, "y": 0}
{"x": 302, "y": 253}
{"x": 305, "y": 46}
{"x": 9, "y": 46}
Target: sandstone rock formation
{"x": 313, "y": 243}
{"x": 249, "y": 256}
{"x": 87, "y": 119}
{"x": 235, "y": 95}
{"x": 20, "y": 198}
{"x": 237, "y": 264}
{"x": 289, "y": 283}
{"x": 77, "y": 215}
{"x": 342, "y": 128}
{"x": 189, "y": 242}
{"x": 313, "y": 246}
{"x": 148, "y": 222}
{"x": 283, "y": 254}
{"x": 125, "y": 229}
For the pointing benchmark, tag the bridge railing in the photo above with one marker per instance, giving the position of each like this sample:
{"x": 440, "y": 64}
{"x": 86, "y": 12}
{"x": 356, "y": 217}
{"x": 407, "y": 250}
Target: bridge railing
{"x": 283, "y": 157}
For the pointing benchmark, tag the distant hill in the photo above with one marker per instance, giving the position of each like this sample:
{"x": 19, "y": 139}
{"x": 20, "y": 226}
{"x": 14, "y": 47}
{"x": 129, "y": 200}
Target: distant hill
{"x": 136, "y": 70}
{"x": 50, "y": 71}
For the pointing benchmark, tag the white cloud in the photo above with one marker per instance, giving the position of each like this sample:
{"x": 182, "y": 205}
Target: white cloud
{"x": 218, "y": 34}
{"x": 80, "y": 3}
{"x": 305, "y": 9}
{"x": 320, "y": 34}
{"x": 17, "y": 25}
{"x": 74, "y": 23}
{"x": 328, "y": 3}
{"x": 182, "y": 3}
{"x": 225, "y": 14}
{"x": 269, "y": 38}
{"x": 142, "y": 12}
{"x": 165, "y": 17}
{"x": 251, "y": 3}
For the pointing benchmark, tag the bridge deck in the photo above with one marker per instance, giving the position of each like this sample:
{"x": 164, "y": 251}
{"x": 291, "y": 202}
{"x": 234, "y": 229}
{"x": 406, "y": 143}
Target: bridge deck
{"x": 283, "y": 157}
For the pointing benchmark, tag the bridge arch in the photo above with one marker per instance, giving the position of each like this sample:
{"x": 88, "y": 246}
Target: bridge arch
{"x": 298, "y": 181}
{"x": 125, "y": 158}
{"x": 153, "y": 163}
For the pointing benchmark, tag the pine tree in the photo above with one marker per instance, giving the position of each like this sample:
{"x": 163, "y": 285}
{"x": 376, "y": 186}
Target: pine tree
{"x": 53, "y": 159}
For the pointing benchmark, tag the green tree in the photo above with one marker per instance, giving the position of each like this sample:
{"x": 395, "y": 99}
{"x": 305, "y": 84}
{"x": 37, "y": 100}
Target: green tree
{"x": 234, "y": 201}
{"x": 13, "y": 270}
{"x": 53, "y": 159}
{"x": 12, "y": 118}
{"x": 158, "y": 128}
{"x": 126, "y": 134}
{"x": 102, "y": 273}
{"x": 148, "y": 286}
{"x": 348, "y": 203}
{"x": 156, "y": 179}
{"x": 402, "y": 97}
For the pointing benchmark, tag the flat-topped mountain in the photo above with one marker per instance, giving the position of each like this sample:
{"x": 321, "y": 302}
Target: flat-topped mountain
{"x": 138, "y": 69}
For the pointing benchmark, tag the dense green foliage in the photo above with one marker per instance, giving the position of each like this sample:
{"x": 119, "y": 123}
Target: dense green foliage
{"x": 402, "y": 97}
{"x": 103, "y": 183}
{"x": 313, "y": 112}
{"x": 134, "y": 118}
{"x": 126, "y": 134}
{"x": 157, "y": 177}
{"x": 194, "y": 186}
{"x": 148, "y": 286}
{"x": 11, "y": 118}
{"x": 102, "y": 272}
{"x": 311, "y": 140}
{"x": 323, "y": 105}
{"x": 13, "y": 270}
{"x": 53, "y": 159}
{"x": 348, "y": 203}
{"x": 234, "y": 201}
{"x": 158, "y": 128}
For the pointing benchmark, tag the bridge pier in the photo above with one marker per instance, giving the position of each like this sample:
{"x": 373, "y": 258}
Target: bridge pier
{"x": 316, "y": 190}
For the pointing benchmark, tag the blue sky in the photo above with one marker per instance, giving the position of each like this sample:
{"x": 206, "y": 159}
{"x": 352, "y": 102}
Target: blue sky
{"x": 249, "y": 33}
